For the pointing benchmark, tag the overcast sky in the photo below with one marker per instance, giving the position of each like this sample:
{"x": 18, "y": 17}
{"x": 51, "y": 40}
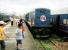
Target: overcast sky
{"x": 24, "y": 6}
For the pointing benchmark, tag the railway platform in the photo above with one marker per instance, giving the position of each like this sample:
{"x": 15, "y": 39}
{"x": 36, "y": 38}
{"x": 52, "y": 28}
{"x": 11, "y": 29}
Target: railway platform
{"x": 28, "y": 42}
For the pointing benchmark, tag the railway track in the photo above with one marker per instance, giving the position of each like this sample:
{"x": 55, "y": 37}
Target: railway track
{"x": 56, "y": 45}
{"x": 50, "y": 44}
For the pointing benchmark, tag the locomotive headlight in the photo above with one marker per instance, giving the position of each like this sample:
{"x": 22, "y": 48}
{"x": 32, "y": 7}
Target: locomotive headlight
{"x": 43, "y": 18}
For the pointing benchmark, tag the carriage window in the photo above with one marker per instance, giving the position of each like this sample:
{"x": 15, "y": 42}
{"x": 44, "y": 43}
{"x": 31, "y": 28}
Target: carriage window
{"x": 65, "y": 21}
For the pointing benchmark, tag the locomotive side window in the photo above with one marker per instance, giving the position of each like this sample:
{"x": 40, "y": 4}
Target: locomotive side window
{"x": 67, "y": 21}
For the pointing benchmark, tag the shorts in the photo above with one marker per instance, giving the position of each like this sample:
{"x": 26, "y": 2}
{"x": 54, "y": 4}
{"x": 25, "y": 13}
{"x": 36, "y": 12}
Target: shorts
{"x": 19, "y": 42}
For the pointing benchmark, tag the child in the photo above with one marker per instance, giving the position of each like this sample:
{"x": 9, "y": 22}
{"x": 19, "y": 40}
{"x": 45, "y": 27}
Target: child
{"x": 2, "y": 35}
{"x": 19, "y": 36}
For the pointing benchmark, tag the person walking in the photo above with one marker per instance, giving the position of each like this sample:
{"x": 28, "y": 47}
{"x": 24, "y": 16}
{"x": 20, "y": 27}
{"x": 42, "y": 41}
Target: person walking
{"x": 2, "y": 35}
{"x": 11, "y": 19}
{"x": 19, "y": 37}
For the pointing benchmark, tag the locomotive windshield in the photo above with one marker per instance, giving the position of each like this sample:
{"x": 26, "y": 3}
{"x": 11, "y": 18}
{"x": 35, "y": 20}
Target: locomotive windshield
{"x": 42, "y": 11}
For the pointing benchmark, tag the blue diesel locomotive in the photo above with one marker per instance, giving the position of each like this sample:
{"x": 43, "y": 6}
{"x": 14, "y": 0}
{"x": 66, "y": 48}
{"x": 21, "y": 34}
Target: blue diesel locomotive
{"x": 40, "y": 21}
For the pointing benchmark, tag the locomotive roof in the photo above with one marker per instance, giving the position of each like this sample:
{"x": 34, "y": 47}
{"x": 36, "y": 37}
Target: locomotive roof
{"x": 42, "y": 8}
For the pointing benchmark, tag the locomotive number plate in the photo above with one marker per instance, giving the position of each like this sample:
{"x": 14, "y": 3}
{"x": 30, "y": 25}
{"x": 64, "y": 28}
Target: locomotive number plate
{"x": 43, "y": 18}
